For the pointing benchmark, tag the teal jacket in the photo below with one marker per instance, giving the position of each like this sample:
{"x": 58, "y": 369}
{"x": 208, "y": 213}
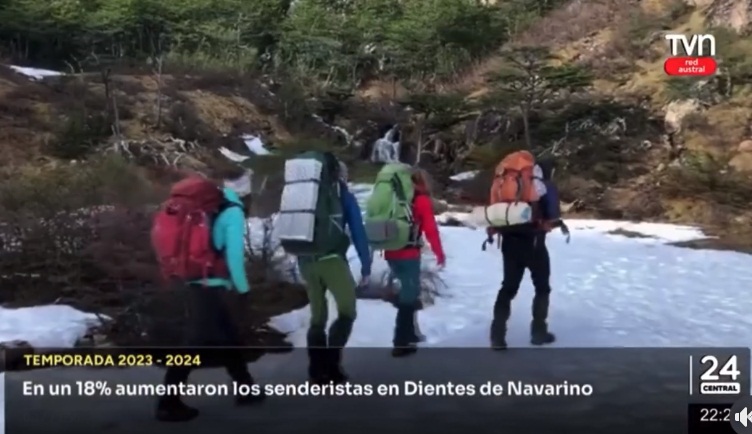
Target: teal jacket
{"x": 228, "y": 236}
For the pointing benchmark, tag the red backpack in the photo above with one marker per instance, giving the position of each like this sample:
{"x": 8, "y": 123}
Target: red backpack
{"x": 181, "y": 233}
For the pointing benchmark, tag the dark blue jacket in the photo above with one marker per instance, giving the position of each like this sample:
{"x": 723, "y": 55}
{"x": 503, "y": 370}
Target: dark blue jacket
{"x": 353, "y": 218}
{"x": 549, "y": 204}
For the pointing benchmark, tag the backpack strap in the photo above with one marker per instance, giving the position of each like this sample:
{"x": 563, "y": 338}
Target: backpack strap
{"x": 224, "y": 206}
{"x": 399, "y": 191}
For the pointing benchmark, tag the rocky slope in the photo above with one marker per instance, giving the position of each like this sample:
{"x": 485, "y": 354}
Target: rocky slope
{"x": 638, "y": 145}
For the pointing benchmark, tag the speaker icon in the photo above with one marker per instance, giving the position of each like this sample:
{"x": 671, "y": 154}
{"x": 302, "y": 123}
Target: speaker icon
{"x": 744, "y": 417}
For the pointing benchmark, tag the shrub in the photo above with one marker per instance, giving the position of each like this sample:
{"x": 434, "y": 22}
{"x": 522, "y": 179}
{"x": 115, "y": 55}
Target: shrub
{"x": 386, "y": 287}
{"x": 703, "y": 176}
{"x": 78, "y": 234}
{"x": 79, "y": 134}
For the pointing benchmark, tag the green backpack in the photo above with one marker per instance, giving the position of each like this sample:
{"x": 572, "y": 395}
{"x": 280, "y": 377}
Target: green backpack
{"x": 389, "y": 220}
{"x": 311, "y": 221}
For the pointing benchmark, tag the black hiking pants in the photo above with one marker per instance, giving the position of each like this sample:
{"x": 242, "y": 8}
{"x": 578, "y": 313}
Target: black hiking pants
{"x": 520, "y": 253}
{"x": 210, "y": 324}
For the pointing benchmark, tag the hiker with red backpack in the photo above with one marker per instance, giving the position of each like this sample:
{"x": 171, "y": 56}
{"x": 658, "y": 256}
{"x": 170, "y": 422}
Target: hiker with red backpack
{"x": 524, "y": 186}
{"x": 198, "y": 236}
{"x": 398, "y": 214}
{"x": 318, "y": 220}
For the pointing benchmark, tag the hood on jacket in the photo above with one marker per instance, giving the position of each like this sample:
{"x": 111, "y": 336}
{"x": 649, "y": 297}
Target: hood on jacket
{"x": 232, "y": 196}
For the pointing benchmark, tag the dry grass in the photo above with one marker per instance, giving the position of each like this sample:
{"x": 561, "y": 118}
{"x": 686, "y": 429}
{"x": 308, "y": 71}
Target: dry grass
{"x": 566, "y": 26}
{"x": 575, "y": 21}
{"x": 34, "y": 114}
{"x": 704, "y": 177}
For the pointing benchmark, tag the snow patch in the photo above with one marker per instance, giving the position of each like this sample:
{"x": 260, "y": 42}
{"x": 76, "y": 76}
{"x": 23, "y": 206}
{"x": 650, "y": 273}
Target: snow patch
{"x": 464, "y": 176}
{"x": 255, "y": 145}
{"x": 661, "y": 231}
{"x": 233, "y": 156}
{"x": 49, "y": 326}
{"x": 451, "y": 217}
{"x": 608, "y": 291}
{"x": 35, "y": 73}
{"x": 361, "y": 192}
{"x": 262, "y": 239}
{"x": 652, "y": 232}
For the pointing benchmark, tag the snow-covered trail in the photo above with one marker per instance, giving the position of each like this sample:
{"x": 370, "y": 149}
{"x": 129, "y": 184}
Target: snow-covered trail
{"x": 608, "y": 290}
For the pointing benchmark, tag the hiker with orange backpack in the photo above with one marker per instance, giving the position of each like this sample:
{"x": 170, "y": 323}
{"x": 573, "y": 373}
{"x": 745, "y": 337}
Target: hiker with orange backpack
{"x": 398, "y": 213}
{"x": 198, "y": 236}
{"x": 524, "y": 185}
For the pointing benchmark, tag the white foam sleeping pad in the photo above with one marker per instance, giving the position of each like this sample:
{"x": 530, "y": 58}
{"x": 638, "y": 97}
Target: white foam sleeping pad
{"x": 500, "y": 215}
{"x": 297, "y": 210}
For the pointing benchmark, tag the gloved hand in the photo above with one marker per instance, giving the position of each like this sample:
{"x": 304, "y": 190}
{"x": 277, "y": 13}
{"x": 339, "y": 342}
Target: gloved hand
{"x": 565, "y": 231}
{"x": 490, "y": 232}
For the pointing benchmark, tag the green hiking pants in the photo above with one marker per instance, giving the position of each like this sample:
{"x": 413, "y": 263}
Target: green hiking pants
{"x": 329, "y": 274}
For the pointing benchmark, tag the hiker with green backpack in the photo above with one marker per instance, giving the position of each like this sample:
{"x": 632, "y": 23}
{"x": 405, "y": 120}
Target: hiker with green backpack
{"x": 398, "y": 214}
{"x": 316, "y": 210}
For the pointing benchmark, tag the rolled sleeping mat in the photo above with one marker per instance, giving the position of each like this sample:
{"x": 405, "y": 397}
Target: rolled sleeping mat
{"x": 500, "y": 215}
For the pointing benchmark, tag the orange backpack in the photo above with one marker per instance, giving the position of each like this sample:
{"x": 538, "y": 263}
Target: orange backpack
{"x": 514, "y": 179}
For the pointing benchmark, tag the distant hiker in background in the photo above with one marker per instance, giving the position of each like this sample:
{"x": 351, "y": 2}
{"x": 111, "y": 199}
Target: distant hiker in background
{"x": 520, "y": 178}
{"x": 399, "y": 212}
{"x": 202, "y": 223}
{"x": 316, "y": 209}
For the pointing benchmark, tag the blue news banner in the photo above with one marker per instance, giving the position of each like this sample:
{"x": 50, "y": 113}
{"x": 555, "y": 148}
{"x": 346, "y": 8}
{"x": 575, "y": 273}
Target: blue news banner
{"x": 549, "y": 390}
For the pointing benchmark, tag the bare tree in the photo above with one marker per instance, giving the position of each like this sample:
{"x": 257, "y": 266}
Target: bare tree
{"x": 157, "y": 61}
{"x": 158, "y": 68}
{"x": 435, "y": 111}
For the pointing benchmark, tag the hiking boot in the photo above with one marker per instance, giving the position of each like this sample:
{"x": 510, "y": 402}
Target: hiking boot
{"x": 417, "y": 336}
{"x": 499, "y": 344}
{"x": 172, "y": 409}
{"x": 404, "y": 326}
{"x": 404, "y": 351}
{"x": 542, "y": 338}
{"x": 539, "y": 334}
{"x": 317, "y": 363}
{"x": 498, "y": 335}
{"x": 339, "y": 333}
{"x": 404, "y": 332}
{"x": 317, "y": 366}
{"x": 334, "y": 370}
{"x": 502, "y": 312}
